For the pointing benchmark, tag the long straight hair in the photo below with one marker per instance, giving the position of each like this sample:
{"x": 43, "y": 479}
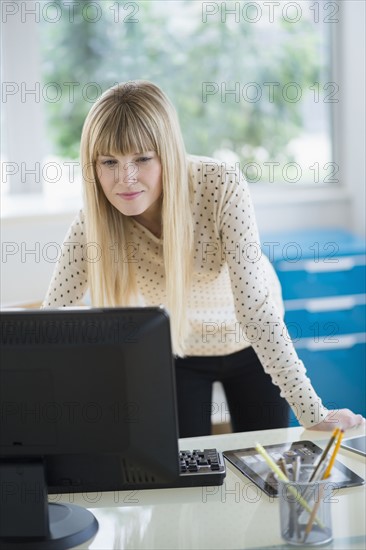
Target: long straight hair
{"x": 128, "y": 118}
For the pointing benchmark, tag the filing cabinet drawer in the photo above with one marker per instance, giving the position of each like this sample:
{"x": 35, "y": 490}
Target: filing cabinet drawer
{"x": 326, "y": 318}
{"x": 309, "y": 279}
{"x": 337, "y": 371}
{"x": 317, "y": 263}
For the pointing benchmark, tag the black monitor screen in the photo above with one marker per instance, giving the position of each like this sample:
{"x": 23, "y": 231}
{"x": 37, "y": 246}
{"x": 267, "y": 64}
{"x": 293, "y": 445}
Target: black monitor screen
{"x": 88, "y": 395}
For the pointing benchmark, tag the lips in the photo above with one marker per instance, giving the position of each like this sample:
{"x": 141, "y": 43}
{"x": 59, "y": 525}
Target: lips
{"x": 130, "y": 196}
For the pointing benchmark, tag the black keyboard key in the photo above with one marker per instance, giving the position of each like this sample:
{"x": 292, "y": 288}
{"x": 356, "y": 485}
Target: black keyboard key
{"x": 200, "y": 468}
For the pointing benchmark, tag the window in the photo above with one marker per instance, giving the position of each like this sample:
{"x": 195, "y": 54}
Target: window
{"x": 251, "y": 82}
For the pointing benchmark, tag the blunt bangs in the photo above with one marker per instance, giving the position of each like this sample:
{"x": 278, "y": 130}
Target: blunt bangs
{"x": 122, "y": 132}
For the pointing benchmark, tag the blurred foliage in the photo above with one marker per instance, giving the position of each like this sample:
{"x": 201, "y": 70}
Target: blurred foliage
{"x": 170, "y": 45}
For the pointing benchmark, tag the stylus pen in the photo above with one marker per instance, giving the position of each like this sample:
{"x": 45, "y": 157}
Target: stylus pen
{"x": 294, "y": 516}
{"x": 324, "y": 453}
{"x": 296, "y": 465}
{"x": 317, "y": 477}
{"x": 320, "y": 472}
{"x": 291, "y": 503}
{"x": 296, "y": 468}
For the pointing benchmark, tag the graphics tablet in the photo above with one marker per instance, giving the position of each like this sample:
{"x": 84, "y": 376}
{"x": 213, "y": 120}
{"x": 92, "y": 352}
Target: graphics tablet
{"x": 253, "y": 465}
{"x": 355, "y": 444}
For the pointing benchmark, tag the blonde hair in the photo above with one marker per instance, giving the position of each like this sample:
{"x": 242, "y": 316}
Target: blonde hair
{"x": 129, "y": 117}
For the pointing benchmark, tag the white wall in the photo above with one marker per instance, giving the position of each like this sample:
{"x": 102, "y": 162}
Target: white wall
{"x": 29, "y": 255}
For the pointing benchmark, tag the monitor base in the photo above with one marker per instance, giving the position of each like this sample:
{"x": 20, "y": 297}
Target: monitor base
{"x": 69, "y": 524}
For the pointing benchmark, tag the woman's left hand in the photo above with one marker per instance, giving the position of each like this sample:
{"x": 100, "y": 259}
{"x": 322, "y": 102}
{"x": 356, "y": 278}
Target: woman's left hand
{"x": 340, "y": 418}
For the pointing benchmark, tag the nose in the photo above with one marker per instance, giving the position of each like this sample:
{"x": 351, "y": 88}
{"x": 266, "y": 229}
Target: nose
{"x": 130, "y": 170}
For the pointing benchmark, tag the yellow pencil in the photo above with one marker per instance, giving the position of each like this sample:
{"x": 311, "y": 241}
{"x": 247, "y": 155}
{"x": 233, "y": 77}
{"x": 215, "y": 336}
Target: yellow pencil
{"x": 325, "y": 452}
{"x": 333, "y": 457}
{"x": 277, "y": 470}
{"x": 325, "y": 476}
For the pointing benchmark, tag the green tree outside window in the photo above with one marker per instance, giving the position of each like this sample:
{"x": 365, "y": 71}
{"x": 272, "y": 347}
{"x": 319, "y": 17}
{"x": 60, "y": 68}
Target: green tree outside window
{"x": 267, "y": 66}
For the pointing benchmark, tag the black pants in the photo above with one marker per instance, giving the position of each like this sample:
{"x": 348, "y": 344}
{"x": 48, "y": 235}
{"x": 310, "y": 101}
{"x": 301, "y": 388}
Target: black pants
{"x": 254, "y": 401}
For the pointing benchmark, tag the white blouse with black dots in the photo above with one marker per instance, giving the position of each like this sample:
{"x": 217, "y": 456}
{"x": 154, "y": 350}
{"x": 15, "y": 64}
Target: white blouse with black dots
{"x": 235, "y": 299}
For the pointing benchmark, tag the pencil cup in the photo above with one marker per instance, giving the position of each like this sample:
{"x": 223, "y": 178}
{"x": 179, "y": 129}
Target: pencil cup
{"x": 305, "y": 512}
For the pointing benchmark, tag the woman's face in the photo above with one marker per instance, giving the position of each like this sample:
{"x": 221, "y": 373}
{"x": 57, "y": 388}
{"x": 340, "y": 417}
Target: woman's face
{"x": 132, "y": 183}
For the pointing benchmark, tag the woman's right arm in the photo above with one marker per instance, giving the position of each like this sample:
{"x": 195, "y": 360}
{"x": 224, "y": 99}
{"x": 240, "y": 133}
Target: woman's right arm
{"x": 70, "y": 278}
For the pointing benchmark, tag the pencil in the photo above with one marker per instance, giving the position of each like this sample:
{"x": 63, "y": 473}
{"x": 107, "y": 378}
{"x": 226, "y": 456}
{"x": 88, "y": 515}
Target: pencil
{"x": 312, "y": 515}
{"x": 277, "y": 470}
{"x": 325, "y": 476}
{"x": 282, "y": 464}
{"x": 333, "y": 457}
{"x": 325, "y": 452}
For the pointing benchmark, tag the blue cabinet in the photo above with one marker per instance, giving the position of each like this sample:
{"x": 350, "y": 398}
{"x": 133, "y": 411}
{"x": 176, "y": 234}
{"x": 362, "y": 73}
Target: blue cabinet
{"x": 316, "y": 279}
{"x": 337, "y": 370}
{"x": 326, "y": 318}
{"x": 323, "y": 279}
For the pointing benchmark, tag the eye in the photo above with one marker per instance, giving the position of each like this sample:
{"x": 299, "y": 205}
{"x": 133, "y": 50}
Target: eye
{"x": 109, "y": 162}
{"x": 144, "y": 159}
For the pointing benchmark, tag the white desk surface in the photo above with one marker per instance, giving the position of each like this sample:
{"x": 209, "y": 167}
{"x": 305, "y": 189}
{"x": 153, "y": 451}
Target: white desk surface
{"x": 233, "y": 515}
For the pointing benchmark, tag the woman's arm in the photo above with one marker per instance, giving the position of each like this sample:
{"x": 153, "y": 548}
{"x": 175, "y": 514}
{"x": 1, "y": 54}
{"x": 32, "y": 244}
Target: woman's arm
{"x": 254, "y": 293}
{"x": 69, "y": 280}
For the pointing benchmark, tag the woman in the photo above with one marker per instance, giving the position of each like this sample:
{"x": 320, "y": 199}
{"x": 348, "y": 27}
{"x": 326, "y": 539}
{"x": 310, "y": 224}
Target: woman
{"x": 162, "y": 227}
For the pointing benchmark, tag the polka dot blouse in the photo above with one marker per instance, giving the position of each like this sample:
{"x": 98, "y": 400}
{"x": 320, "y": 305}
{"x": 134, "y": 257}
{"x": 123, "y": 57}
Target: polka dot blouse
{"x": 235, "y": 301}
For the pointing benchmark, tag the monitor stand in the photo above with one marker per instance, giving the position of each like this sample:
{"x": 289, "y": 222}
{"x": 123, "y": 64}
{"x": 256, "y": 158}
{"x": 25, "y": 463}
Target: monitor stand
{"x": 28, "y": 521}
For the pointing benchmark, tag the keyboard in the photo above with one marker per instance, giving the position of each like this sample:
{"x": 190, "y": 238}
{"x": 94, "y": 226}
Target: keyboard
{"x": 201, "y": 467}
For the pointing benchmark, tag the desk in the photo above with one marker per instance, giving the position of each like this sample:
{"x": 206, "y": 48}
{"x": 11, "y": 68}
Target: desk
{"x": 234, "y": 515}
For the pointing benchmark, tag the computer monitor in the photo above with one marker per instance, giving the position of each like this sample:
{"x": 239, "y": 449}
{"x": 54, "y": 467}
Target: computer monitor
{"x": 87, "y": 404}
